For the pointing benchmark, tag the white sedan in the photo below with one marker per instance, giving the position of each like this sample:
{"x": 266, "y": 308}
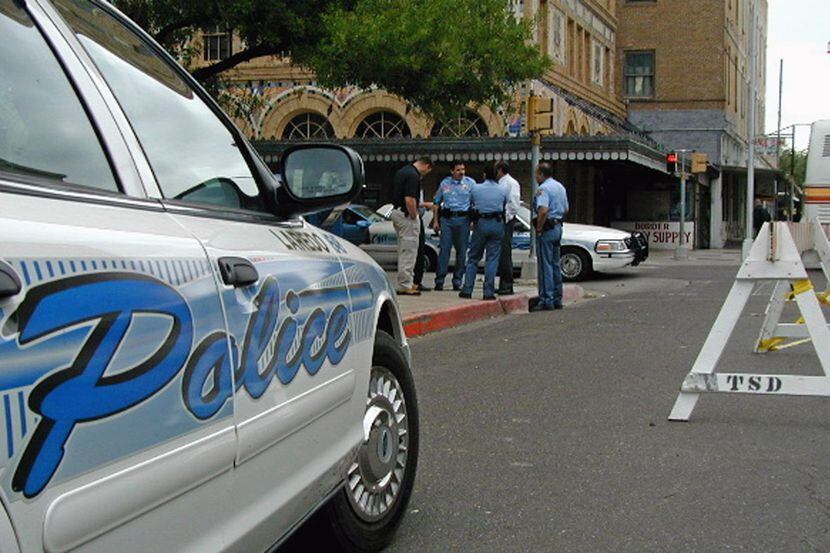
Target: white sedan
{"x": 585, "y": 248}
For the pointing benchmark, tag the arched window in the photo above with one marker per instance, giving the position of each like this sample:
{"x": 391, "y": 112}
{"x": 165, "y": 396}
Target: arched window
{"x": 571, "y": 130}
{"x": 307, "y": 126}
{"x": 466, "y": 123}
{"x": 383, "y": 124}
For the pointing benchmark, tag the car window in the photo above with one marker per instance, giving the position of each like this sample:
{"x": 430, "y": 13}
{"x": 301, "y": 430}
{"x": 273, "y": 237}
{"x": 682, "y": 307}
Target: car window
{"x": 44, "y": 130}
{"x": 368, "y": 214}
{"x": 193, "y": 155}
{"x": 350, "y": 217}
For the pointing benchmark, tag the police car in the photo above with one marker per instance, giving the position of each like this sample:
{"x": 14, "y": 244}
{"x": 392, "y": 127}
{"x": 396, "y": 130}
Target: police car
{"x": 585, "y": 248}
{"x": 185, "y": 365}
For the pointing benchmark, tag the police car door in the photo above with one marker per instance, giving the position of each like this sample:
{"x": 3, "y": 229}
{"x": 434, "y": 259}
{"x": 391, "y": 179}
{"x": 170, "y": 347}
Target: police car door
{"x": 281, "y": 285}
{"x": 105, "y": 305}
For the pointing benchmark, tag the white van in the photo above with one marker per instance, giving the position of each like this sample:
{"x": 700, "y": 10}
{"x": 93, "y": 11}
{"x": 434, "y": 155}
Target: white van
{"x": 185, "y": 365}
{"x": 817, "y": 178}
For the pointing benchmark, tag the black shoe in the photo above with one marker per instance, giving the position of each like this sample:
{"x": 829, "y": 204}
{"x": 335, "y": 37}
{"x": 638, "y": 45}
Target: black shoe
{"x": 423, "y": 288}
{"x": 456, "y": 287}
{"x": 465, "y": 295}
{"x": 489, "y": 298}
{"x": 558, "y": 306}
{"x": 439, "y": 288}
{"x": 540, "y": 307}
{"x": 505, "y": 291}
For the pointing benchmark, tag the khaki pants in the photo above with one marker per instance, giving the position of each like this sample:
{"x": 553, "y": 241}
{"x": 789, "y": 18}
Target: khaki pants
{"x": 407, "y": 231}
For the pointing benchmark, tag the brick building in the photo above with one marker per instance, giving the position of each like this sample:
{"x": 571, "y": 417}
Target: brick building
{"x": 684, "y": 74}
{"x": 592, "y": 146}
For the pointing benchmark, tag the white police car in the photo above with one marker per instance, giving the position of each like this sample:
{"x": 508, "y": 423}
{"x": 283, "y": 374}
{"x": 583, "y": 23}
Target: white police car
{"x": 184, "y": 364}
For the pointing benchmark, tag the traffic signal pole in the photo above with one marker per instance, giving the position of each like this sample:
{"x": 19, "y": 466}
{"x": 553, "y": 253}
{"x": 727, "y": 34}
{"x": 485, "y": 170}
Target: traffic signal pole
{"x": 539, "y": 121}
{"x": 535, "y": 155}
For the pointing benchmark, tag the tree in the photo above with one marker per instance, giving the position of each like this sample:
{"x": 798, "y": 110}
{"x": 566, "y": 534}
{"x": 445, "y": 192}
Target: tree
{"x": 266, "y": 27}
{"x": 794, "y": 167}
{"x": 438, "y": 54}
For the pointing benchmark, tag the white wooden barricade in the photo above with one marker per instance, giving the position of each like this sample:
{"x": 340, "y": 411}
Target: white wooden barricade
{"x": 774, "y": 334}
{"x": 774, "y": 256}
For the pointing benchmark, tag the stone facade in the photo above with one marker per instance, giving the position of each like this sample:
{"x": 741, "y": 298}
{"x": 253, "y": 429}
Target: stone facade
{"x": 698, "y": 87}
{"x": 578, "y": 35}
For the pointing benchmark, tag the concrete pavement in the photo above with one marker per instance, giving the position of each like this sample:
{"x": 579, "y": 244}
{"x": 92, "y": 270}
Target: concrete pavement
{"x": 434, "y": 311}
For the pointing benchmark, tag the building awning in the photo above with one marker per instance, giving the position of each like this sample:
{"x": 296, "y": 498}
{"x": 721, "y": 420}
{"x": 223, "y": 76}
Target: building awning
{"x": 594, "y": 149}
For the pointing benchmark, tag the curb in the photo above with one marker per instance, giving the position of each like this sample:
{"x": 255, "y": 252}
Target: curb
{"x": 433, "y": 320}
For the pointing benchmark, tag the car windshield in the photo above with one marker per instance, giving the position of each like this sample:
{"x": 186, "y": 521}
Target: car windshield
{"x": 368, "y": 214}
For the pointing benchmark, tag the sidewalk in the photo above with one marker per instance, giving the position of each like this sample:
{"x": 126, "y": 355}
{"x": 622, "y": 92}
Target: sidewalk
{"x": 434, "y": 311}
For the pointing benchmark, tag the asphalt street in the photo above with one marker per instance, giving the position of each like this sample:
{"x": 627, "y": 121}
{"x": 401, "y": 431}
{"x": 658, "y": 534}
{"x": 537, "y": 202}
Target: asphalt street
{"x": 548, "y": 431}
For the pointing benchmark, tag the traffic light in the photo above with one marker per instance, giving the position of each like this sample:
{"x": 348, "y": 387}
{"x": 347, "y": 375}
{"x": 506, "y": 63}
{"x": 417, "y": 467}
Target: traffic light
{"x": 671, "y": 163}
{"x": 539, "y": 114}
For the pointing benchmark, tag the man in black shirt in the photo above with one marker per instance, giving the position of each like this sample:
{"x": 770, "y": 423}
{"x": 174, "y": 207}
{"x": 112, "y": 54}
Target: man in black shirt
{"x": 406, "y": 192}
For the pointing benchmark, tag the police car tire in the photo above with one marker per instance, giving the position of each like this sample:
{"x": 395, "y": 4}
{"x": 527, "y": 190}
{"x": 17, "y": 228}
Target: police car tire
{"x": 585, "y": 265}
{"x": 351, "y": 532}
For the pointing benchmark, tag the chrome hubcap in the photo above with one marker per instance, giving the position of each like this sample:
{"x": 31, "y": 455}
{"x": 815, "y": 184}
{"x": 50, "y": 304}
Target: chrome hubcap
{"x": 376, "y": 476}
{"x": 571, "y": 265}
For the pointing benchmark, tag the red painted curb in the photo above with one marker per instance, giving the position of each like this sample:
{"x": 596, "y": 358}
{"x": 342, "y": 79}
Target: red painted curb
{"x": 433, "y": 320}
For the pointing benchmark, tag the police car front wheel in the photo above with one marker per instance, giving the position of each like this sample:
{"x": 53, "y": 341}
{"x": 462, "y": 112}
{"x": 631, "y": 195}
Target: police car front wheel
{"x": 379, "y": 483}
{"x": 575, "y": 264}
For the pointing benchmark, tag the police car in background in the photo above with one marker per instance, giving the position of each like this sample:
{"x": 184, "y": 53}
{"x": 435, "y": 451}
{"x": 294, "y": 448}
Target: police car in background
{"x": 185, "y": 365}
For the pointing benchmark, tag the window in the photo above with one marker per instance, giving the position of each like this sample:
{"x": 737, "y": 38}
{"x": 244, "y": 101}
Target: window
{"x": 556, "y": 35}
{"x": 383, "y": 124}
{"x": 44, "y": 130}
{"x": 192, "y": 153}
{"x": 308, "y": 126}
{"x": 467, "y": 123}
{"x": 217, "y": 43}
{"x": 639, "y": 74}
{"x": 597, "y": 63}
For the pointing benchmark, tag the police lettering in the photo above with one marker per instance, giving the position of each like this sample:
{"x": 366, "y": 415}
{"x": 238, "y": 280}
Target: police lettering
{"x": 270, "y": 349}
{"x": 82, "y": 392}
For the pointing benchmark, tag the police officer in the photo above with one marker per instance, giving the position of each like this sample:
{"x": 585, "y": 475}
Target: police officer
{"x": 510, "y": 212}
{"x": 450, "y": 211}
{"x": 550, "y": 206}
{"x": 488, "y": 200}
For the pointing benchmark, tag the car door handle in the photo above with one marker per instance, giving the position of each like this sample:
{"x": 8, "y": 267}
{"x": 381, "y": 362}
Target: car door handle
{"x": 237, "y": 271}
{"x": 9, "y": 281}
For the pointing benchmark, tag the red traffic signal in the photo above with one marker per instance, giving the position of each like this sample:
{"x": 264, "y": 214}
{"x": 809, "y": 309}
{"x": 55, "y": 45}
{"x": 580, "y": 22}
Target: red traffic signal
{"x": 671, "y": 163}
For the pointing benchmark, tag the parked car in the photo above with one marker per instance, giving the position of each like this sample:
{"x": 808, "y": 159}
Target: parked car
{"x": 373, "y": 232}
{"x": 585, "y": 248}
{"x": 185, "y": 365}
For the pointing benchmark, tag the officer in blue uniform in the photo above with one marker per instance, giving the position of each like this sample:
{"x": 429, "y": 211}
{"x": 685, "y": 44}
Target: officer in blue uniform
{"x": 488, "y": 200}
{"x": 550, "y": 206}
{"x": 450, "y": 214}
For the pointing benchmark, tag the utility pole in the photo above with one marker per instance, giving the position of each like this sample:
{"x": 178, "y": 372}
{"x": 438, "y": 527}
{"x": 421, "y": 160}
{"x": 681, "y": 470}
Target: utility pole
{"x": 682, "y": 250}
{"x": 750, "y": 164}
{"x": 778, "y": 139}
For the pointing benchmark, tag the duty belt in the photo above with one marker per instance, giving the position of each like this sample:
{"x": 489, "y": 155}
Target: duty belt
{"x": 450, "y": 213}
{"x": 492, "y": 215}
{"x": 549, "y": 223}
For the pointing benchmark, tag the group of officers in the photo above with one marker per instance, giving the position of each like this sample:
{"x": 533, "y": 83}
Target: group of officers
{"x": 489, "y": 208}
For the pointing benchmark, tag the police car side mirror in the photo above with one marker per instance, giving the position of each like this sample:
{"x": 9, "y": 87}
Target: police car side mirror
{"x": 317, "y": 176}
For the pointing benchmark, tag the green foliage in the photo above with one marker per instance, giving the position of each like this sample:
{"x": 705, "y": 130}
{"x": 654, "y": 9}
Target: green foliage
{"x": 438, "y": 54}
{"x": 794, "y": 167}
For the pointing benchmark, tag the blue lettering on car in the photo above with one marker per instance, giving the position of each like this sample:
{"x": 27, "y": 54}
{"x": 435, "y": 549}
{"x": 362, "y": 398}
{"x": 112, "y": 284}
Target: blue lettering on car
{"x": 81, "y": 392}
{"x": 313, "y": 326}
